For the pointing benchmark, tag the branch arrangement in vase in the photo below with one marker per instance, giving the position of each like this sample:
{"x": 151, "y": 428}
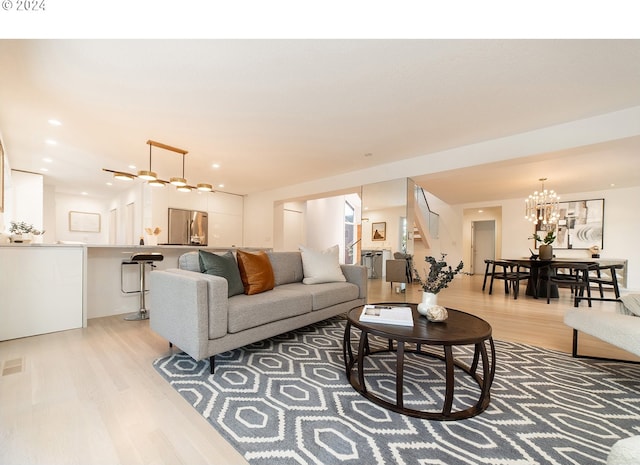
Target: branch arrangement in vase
{"x": 439, "y": 276}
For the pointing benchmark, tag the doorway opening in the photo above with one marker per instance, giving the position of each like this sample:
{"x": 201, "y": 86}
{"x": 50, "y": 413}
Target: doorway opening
{"x": 483, "y": 244}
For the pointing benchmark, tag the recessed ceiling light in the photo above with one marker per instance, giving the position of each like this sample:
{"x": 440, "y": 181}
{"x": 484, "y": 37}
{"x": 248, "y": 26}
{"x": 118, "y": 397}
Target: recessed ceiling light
{"x": 221, "y": 185}
{"x": 47, "y": 160}
{"x": 51, "y": 142}
{"x": 480, "y": 211}
{"x": 215, "y": 165}
{"x": 55, "y": 122}
{"x": 109, "y": 184}
{"x": 84, "y": 193}
{"x": 613, "y": 185}
{"x": 133, "y": 167}
{"x": 44, "y": 169}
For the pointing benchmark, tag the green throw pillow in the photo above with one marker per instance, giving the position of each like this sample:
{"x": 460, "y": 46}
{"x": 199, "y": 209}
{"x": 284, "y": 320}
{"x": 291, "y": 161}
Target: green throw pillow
{"x": 224, "y": 266}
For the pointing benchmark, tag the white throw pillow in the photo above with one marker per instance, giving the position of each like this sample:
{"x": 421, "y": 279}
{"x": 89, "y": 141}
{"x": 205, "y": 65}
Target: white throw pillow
{"x": 321, "y": 266}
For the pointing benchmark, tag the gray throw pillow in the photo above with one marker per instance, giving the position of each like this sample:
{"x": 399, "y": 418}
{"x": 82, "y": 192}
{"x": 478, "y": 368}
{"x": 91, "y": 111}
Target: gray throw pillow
{"x": 224, "y": 266}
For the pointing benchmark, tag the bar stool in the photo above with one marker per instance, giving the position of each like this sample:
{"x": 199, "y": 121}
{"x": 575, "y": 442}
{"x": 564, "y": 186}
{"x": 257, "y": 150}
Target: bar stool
{"x": 143, "y": 259}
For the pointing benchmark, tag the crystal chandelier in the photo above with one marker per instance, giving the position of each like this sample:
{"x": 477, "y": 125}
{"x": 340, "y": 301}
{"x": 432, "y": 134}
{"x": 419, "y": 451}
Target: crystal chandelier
{"x": 542, "y": 206}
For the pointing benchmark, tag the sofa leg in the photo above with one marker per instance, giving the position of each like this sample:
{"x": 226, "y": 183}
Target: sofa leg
{"x": 212, "y": 363}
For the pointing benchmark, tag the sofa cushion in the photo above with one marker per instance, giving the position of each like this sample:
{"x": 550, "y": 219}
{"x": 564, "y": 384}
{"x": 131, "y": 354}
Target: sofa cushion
{"x": 256, "y": 271}
{"x": 326, "y": 294}
{"x": 631, "y": 303}
{"x": 250, "y": 311}
{"x": 287, "y": 267}
{"x": 190, "y": 261}
{"x": 224, "y": 266}
{"x": 321, "y": 266}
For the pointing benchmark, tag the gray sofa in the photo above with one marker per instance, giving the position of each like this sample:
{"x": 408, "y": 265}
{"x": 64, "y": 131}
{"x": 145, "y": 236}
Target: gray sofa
{"x": 192, "y": 310}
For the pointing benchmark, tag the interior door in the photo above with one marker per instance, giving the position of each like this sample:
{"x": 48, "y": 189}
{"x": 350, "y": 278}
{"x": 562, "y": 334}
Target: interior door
{"x": 483, "y": 244}
{"x": 293, "y": 230}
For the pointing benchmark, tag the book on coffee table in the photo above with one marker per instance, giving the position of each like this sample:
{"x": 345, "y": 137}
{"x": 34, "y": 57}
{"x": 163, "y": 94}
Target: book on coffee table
{"x": 387, "y": 314}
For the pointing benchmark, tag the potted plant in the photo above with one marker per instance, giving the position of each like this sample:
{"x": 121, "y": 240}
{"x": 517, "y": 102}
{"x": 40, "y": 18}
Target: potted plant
{"x": 546, "y": 249}
{"x": 22, "y": 232}
{"x": 439, "y": 276}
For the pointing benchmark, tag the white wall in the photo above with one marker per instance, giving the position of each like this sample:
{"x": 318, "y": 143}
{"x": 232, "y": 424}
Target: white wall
{"x": 64, "y": 203}
{"x": 25, "y": 201}
{"x": 620, "y": 232}
{"x": 485, "y": 213}
{"x": 620, "y": 217}
{"x": 258, "y": 218}
{"x": 392, "y": 216}
{"x": 325, "y": 223}
{"x": 450, "y": 235}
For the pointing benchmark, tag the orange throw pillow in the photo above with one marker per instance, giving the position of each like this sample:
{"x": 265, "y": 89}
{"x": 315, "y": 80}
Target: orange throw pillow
{"x": 256, "y": 271}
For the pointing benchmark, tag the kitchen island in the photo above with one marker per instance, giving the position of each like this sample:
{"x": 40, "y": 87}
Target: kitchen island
{"x": 54, "y": 287}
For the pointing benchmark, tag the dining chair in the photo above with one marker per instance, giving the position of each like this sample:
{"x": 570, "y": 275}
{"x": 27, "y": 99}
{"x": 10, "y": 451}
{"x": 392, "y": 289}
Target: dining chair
{"x": 573, "y": 275}
{"x": 511, "y": 273}
{"x": 605, "y": 277}
{"x": 521, "y": 273}
{"x": 488, "y": 270}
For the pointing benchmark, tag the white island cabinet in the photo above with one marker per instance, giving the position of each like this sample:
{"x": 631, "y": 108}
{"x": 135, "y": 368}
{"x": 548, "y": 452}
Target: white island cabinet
{"x": 41, "y": 289}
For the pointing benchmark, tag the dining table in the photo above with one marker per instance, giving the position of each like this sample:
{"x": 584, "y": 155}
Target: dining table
{"x": 536, "y": 266}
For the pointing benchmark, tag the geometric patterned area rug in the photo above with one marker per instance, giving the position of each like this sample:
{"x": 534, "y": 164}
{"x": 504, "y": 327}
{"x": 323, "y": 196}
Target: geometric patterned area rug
{"x": 286, "y": 400}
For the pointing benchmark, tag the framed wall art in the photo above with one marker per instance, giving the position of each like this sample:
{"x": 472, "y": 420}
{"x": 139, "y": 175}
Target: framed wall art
{"x": 580, "y": 225}
{"x": 84, "y": 222}
{"x": 379, "y": 231}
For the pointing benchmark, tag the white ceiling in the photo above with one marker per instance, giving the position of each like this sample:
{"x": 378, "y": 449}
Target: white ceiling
{"x": 279, "y": 112}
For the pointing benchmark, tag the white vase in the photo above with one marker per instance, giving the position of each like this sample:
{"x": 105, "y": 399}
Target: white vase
{"x": 429, "y": 299}
{"x": 430, "y": 309}
{"x": 23, "y": 238}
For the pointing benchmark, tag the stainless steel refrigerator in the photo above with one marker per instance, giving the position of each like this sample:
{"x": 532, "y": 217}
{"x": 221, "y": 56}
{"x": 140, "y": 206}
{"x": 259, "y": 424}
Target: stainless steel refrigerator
{"x": 188, "y": 227}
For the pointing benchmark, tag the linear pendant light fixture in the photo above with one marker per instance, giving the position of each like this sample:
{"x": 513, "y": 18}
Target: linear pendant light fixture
{"x": 152, "y": 178}
{"x": 148, "y": 175}
{"x": 180, "y": 182}
{"x": 542, "y": 206}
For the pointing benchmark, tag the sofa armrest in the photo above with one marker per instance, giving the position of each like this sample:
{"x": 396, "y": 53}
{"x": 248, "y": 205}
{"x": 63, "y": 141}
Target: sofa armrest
{"x": 188, "y": 308}
{"x": 615, "y": 328}
{"x": 356, "y": 274}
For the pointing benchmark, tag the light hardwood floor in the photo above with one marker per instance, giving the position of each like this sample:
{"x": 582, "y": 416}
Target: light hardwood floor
{"x": 91, "y": 396}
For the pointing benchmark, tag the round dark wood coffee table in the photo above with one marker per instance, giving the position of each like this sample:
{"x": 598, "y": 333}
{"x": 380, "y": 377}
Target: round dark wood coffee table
{"x": 459, "y": 329}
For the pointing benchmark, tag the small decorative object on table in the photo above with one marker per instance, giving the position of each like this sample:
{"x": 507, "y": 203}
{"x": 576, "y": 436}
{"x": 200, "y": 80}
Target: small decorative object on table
{"x": 546, "y": 250}
{"x": 439, "y": 276}
{"x": 436, "y": 313}
{"x": 595, "y": 251}
{"x": 152, "y": 235}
